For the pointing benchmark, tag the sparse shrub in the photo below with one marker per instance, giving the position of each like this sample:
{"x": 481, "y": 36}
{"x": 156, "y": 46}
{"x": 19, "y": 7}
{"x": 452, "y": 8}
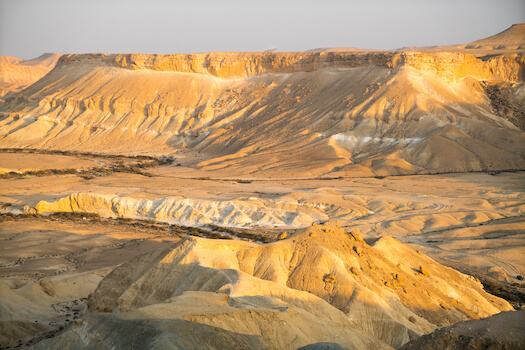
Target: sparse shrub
{"x": 7, "y": 217}
{"x": 424, "y": 271}
{"x": 11, "y": 175}
{"x": 399, "y": 278}
{"x": 91, "y": 216}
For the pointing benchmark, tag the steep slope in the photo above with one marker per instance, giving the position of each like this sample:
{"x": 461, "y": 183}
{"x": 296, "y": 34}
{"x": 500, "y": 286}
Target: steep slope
{"x": 320, "y": 275}
{"x": 291, "y": 114}
{"x": 16, "y": 74}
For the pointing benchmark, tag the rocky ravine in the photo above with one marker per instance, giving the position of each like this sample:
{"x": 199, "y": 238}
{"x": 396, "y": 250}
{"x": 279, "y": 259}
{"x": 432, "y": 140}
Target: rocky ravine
{"x": 319, "y": 285}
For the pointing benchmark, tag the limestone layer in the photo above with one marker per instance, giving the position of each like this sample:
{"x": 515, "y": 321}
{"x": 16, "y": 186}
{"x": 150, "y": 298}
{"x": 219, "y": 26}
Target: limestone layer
{"x": 241, "y": 65}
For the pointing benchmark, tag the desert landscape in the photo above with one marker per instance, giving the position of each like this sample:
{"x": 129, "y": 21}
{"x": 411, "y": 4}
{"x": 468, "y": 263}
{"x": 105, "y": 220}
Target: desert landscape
{"x": 336, "y": 198}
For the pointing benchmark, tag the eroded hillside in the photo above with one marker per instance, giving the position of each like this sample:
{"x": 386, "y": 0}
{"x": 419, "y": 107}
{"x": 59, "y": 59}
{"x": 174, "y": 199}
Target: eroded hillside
{"x": 295, "y": 114}
{"x": 321, "y": 283}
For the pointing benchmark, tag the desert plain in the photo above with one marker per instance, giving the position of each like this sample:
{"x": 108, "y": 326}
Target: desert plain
{"x": 331, "y": 198}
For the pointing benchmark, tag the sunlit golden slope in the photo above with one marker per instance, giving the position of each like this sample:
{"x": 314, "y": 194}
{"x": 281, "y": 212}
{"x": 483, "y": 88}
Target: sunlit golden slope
{"x": 293, "y": 114}
{"x": 321, "y": 284}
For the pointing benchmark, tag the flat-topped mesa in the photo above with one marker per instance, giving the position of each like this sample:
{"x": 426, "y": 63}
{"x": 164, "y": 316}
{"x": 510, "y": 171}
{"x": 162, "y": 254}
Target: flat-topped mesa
{"x": 449, "y": 66}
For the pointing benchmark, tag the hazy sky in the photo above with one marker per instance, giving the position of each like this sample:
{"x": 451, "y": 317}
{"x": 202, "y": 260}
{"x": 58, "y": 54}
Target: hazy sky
{"x": 29, "y": 28}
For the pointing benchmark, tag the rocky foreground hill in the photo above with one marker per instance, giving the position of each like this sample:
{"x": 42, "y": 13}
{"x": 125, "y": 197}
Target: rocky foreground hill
{"x": 319, "y": 284}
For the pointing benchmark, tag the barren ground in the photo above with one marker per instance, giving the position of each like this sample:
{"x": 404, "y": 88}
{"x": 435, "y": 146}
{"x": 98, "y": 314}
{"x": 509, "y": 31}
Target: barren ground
{"x": 472, "y": 222}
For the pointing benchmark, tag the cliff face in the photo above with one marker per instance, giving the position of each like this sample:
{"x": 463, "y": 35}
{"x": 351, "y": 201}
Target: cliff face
{"x": 451, "y": 66}
{"x": 337, "y": 113}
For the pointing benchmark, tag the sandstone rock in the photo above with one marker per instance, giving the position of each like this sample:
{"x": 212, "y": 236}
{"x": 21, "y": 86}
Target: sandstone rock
{"x": 47, "y": 286}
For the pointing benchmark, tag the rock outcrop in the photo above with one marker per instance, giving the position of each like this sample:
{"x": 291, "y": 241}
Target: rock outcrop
{"x": 195, "y": 212}
{"x": 511, "y": 38}
{"x": 505, "y": 330}
{"x": 301, "y": 114}
{"x": 17, "y": 74}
